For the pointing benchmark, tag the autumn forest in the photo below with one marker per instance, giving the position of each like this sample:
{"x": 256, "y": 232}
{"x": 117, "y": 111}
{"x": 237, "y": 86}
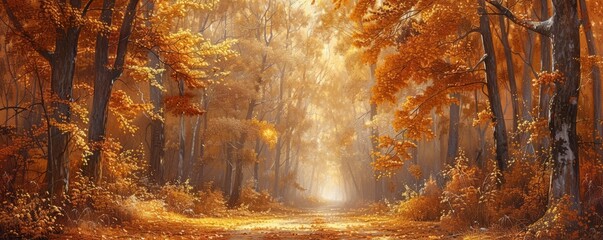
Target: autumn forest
{"x": 301, "y": 119}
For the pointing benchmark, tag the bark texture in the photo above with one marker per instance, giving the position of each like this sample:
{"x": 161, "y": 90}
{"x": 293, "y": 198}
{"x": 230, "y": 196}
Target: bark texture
{"x": 500, "y": 132}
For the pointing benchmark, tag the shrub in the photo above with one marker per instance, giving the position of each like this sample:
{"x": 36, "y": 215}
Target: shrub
{"x": 210, "y": 202}
{"x": 87, "y": 201}
{"x": 523, "y": 197}
{"x": 422, "y": 207}
{"x": 379, "y": 207}
{"x": 467, "y": 196}
{"x": 28, "y": 216}
{"x": 178, "y": 197}
{"x": 257, "y": 201}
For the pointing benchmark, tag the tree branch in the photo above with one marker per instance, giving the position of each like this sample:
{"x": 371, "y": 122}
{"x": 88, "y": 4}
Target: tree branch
{"x": 541, "y": 27}
{"x": 124, "y": 36}
{"x": 86, "y": 7}
{"x": 18, "y": 27}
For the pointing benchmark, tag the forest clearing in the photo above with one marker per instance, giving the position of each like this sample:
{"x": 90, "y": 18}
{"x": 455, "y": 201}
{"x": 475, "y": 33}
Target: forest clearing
{"x": 301, "y": 119}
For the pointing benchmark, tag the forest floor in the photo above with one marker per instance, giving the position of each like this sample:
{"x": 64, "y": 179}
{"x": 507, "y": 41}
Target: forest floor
{"x": 320, "y": 223}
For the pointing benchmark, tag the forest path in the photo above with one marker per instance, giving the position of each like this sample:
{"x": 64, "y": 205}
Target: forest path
{"x": 321, "y": 223}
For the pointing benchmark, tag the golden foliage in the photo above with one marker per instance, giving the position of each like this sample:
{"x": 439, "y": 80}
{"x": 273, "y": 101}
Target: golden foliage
{"x": 267, "y": 131}
{"x": 423, "y": 207}
{"x": 466, "y": 196}
{"x": 210, "y": 202}
{"x": 28, "y": 215}
{"x": 124, "y": 108}
{"x": 183, "y": 105}
{"x": 178, "y": 197}
{"x": 257, "y": 201}
{"x": 399, "y": 154}
{"x": 181, "y": 198}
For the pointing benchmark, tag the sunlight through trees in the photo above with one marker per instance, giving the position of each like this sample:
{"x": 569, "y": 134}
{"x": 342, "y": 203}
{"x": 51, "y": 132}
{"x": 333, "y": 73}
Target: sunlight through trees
{"x": 301, "y": 119}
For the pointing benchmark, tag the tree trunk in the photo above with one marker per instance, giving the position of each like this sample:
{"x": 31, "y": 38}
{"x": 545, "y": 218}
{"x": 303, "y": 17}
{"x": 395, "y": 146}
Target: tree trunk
{"x": 228, "y": 172}
{"x": 596, "y": 78}
{"x": 500, "y": 132}
{"x": 526, "y": 87}
{"x": 157, "y": 148}
{"x": 277, "y": 166}
{"x": 453, "y": 131}
{"x": 510, "y": 71}
{"x": 356, "y": 187}
{"x": 192, "y": 157}
{"x": 375, "y": 143}
{"x": 105, "y": 76}
{"x": 256, "y": 166}
{"x": 62, "y": 66}
{"x": 545, "y": 66}
{"x": 203, "y": 138}
{"x": 238, "y": 182}
{"x": 562, "y": 122}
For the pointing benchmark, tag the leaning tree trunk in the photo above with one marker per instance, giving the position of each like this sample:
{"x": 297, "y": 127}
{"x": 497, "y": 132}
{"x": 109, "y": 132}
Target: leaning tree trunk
{"x": 596, "y": 78}
{"x": 500, "y": 132}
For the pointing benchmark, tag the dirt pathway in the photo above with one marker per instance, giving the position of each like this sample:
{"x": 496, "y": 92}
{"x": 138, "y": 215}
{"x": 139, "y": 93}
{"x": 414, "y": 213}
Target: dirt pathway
{"x": 322, "y": 223}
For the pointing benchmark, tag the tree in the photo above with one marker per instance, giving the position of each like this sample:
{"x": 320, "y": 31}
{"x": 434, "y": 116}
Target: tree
{"x": 563, "y": 29}
{"x": 104, "y": 79}
{"x": 66, "y": 28}
{"x": 157, "y": 148}
{"x": 596, "y": 79}
{"x": 432, "y": 52}
{"x": 500, "y": 131}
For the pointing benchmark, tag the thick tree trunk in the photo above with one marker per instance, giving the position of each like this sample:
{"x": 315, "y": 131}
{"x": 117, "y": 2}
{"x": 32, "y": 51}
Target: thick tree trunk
{"x": 510, "y": 71}
{"x": 453, "y": 130}
{"x": 62, "y": 66}
{"x": 103, "y": 82}
{"x": 562, "y": 122}
{"x": 500, "y": 132}
{"x": 105, "y": 76}
{"x": 596, "y": 78}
